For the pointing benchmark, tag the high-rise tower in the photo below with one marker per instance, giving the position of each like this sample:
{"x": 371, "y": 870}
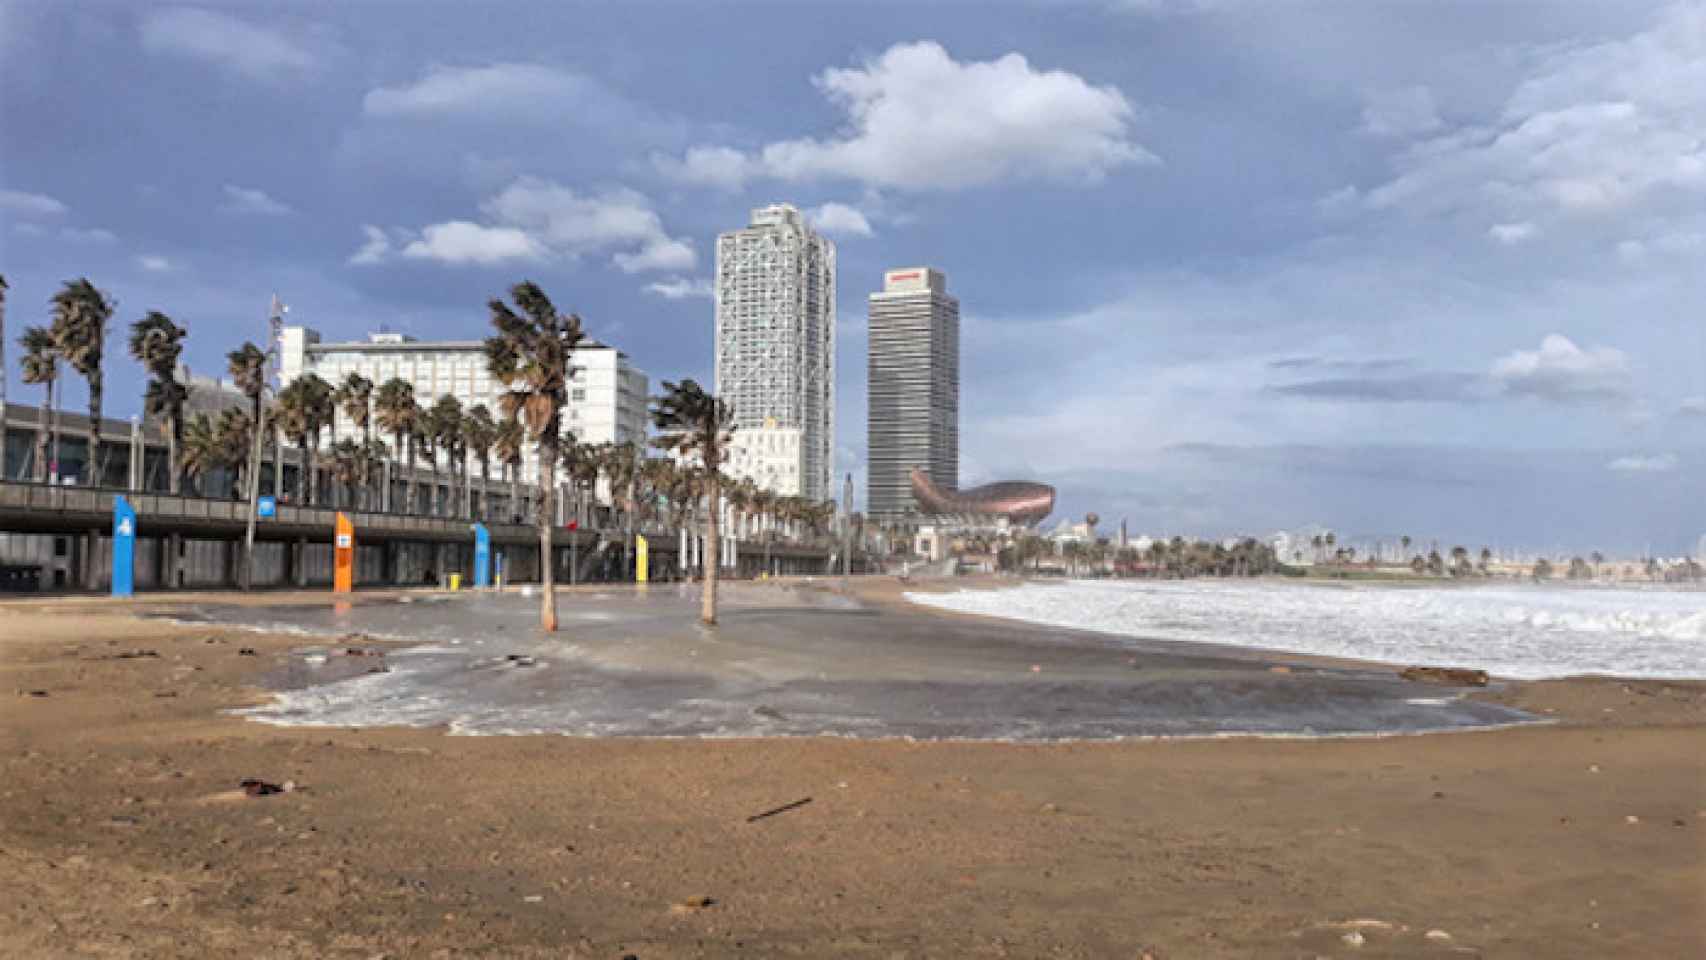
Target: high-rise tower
{"x": 776, "y": 351}
{"x": 914, "y": 418}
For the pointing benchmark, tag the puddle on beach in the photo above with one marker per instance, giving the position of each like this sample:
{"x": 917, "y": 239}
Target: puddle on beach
{"x": 802, "y": 664}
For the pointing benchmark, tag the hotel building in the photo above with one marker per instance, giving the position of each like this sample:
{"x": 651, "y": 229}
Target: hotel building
{"x": 775, "y": 316}
{"x": 914, "y": 391}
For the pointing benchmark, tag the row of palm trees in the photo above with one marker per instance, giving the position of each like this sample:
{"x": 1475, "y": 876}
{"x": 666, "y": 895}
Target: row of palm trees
{"x": 530, "y": 353}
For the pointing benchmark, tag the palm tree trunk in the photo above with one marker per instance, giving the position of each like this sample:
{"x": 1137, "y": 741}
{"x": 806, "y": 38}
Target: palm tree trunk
{"x": 43, "y": 422}
{"x": 409, "y": 498}
{"x": 173, "y": 429}
{"x": 547, "y": 576}
{"x": 53, "y": 430}
{"x": 96, "y": 464}
{"x": 713, "y": 552}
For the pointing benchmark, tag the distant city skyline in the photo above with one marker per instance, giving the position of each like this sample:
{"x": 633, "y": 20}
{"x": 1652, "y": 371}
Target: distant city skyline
{"x": 1237, "y": 267}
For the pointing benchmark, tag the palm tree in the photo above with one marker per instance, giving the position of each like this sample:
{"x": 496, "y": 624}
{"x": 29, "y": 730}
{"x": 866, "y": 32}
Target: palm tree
{"x": 696, "y": 425}
{"x": 80, "y": 315}
{"x": 479, "y": 432}
{"x": 305, "y": 408}
{"x": 233, "y": 439}
{"x": 347, "y": 467}
{"x": 444, "y": 435}
{"x": 354, "y": 398}
{"x": 202, "y": 453}
{"x": 397, "y": 414}
{"x": 531, "y": 355}
{"x": 508, "y": 442}
{"x": 156, "y": 343}
{"x": 248, "y": 368}
{"x": 1405, "y": 542}
{"x": 41, "y": 366}
{"x": 581, "y": 465}
{"x": 620, "y": 463}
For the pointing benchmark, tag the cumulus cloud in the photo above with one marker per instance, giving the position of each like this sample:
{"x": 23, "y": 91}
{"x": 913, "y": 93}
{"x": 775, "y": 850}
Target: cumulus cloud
{"x": 537, "y": 219}
{"x": 226, "y": 42}
{"x": 374, "y": 249}
{"x": 1692, "y": 407}
{"x": 1658, "y": 463}
{"x": 681, "y": 288}
{"x": 1406, "y": 112}
{"x": 1511, "y": 234}
{"x": 1561, "y": 371}
{"x": 917, "y": 119}
{"x": 247, "y": 201}
{"x": 462, "y": 242}
{"x": 839, "y": 218}
{"x": 22, "y": 204}
{"x": 1592, "y": 129}
{"x": 154, "y": 264}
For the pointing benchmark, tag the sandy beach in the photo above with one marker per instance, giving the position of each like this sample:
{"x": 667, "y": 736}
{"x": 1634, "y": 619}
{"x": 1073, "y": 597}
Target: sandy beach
{"x": 123, "y": 831}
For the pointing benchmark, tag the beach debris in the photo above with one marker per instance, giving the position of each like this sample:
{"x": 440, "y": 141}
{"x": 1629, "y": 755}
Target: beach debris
{"x": 1354, "y": 938}
{"x": 768, "y": 712}
{"x": 692, "y": 905}
{"x": 254, "y": 787}
{"x": 520, "y": 660}
{"x": 32, "y": 693}
{"x": 1679, "y": 822}
{"x": 360, "y": 652}
{"x": 128, "y": 655}
{"x": 533, "y": 898}
{"x": 165, "y": 694}
{"x": 246, "y": 652}
{"x": 1438, "y": 936}
{"x": 1446, "y": 676}
{"x": 1631, "y": 819}
{"x": 784, "y": 808}
{"x": 1593, "y": 768}
{"x": 1036, "y": 668}
{"x": 1279, "y": 668}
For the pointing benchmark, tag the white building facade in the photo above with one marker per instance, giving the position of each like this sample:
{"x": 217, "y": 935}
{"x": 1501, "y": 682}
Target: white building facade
{"x": 775, "y": 316}
{"x": 607, "y": 394}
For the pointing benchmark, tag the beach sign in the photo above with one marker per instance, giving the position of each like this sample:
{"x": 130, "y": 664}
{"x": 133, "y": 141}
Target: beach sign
{"x": 266, "y": 508}
{"x": 124, "y": 548}
{"x": 642, "y": 558}
{"x": 482, "y": 556}
{"x": 343, "y": 555}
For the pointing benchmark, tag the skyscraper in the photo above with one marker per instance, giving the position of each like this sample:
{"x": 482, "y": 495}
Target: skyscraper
{"x": 776, "y": 351}
{"x": 914, "y": 414}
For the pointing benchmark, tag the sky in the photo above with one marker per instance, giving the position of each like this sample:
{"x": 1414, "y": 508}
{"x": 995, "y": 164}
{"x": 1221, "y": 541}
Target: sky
{"x": 1224, "y": 267}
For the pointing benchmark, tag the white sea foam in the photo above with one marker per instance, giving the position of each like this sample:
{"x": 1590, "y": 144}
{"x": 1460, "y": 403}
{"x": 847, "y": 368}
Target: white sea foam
{"x": 1522, "y": 631}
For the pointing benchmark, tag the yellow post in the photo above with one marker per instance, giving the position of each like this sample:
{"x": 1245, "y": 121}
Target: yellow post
{"x": 343, "y": 555}
{"x": 642, "y": 564}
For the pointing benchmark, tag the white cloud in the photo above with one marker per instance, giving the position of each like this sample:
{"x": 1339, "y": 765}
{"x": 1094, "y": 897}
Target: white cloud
{"x": 374, "y": 249}
{"x": 154, "y": 264}
{"x": 839, "y": 218}
{"x": 537, "y": 219}
{"x": 89, "y": 235}
{"x": 1659, "y": 463}
{"x": 22, "y": 204}
{"x": 918, "y": 119}
{"x": 226, "y": 42}
{"x": 1592, "y": 130}
{"x": 243, "y": 200}
{"x": 516, "y": 91}
{"x": 1562, "y": 371}
{"x": 1511, "y": 234}
{"x": 723, "y": 167}
{"x": 1692, "y": 407}
{"x": 461, "y": 242}
{"x": 1406, "y": 112}
{"x": 681, "y": 288}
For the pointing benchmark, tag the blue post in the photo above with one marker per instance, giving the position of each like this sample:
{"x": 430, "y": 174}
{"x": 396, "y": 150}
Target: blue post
{"x": 482, "y": 556}
{"x": 124, "y": 548}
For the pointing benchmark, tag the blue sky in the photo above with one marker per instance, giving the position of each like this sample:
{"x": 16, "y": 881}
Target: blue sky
{"x": 1225, "y": 266}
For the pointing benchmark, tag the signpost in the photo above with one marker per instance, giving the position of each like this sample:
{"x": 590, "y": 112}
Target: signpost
{"x": 482, "y": 556}
{"x": 343, "y": 555}
{"x": 124, "y": 547}
{"x": 642, "y": 564}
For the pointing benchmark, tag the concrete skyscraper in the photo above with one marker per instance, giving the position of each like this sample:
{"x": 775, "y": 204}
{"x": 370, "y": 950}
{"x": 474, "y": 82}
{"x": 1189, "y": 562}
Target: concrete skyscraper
{"x": 776, "y": 351}
{"x": 914, "y": 419}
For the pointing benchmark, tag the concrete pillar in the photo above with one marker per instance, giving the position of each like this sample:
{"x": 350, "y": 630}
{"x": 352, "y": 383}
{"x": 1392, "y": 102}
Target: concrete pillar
{"x": 298, "y": 554}
{"x": 90, "y": 545}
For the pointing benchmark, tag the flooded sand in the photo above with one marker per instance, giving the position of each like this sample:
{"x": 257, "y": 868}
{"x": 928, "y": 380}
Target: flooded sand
{"x": 805, "y": 662}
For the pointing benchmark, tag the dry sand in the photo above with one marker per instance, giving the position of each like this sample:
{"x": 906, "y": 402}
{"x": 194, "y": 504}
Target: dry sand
{"x": 120, "y": 835}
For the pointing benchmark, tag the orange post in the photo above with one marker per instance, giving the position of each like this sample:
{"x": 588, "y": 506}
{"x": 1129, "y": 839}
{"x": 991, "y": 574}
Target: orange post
{"x": 343, "y": 556}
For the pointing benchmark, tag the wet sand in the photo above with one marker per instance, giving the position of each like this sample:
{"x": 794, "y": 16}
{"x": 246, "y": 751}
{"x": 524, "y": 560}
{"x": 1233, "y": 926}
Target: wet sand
{"x": 119, "y": 834}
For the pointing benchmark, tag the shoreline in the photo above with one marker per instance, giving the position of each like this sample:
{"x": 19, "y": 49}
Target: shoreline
{"x": 119, "y": 834}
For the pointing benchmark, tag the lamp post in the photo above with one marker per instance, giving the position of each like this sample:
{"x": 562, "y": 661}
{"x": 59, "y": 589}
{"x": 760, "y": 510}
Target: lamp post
{"x": 275, "y": 324}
